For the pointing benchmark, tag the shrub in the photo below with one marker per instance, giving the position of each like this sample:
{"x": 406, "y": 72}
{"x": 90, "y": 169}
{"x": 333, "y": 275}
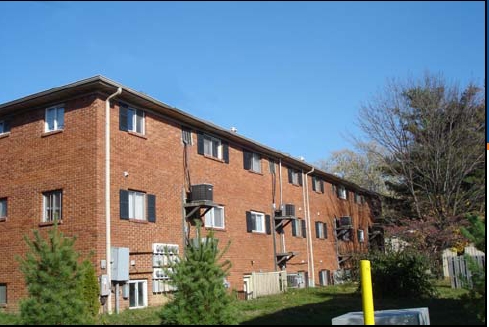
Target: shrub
{"x": 90, "y": 288}
{"x": 201, "y": 297}
{"x": 400, "y": 274}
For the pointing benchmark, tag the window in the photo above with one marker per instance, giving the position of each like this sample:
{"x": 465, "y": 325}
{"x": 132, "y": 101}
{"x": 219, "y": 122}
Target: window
{"x": 321, "y": 230}
{"x": 252, "y": 161}
{"x": 324, "y": 277}
{"x": 186, "y": 136}
{"x": 135, "y": 120}
{"x": 258, "y": 222}
{"x": 137, "y": 205}
{"x": 212, "y": 147}
{"x": 299, "y": 228}
{"x": 359, "y": 198}
{"x": 4, "y": 127}
{"x": 360, "y": 236}
{"x": 271, "y": 163}
{"x": 317, "y": 184}
{"x": 3, "y": 294}
{"x": 342, "y": 192}
{"x": 138, "y": 294}
{"x": 55, "y": 119}
{"x": 53, "y": 206}
{"x": 214, "y": 218}
{"x": 295, "y": 177}
{"x": 131, "y": 119}
{"x": 3, "y": 208}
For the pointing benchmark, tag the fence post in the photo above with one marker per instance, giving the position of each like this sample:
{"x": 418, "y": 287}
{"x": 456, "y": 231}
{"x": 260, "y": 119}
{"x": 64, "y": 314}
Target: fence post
{"x": 367, "y": 295}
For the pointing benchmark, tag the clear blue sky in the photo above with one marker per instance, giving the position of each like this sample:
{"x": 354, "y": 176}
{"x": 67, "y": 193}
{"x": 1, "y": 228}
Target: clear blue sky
{"x": 290, "y": 75}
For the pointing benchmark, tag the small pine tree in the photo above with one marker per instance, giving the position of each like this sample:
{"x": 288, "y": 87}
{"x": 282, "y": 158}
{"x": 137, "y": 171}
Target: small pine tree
{"x": 90, "y": 288}
{"x": 53, "y": 277}
{"x": 201, "y": 298}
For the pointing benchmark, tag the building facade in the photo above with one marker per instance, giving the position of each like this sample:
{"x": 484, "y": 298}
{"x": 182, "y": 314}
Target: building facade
{"x": 56, "y": 164}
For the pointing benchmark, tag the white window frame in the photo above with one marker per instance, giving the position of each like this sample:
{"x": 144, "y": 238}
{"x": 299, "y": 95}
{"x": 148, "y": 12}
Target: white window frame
{"x": 133, "y": 195}
{"x": 254, "y": 216}
{"x": 4, "y": 287}
{"x": 132, "y": 118}
{"x": 145, "y": 293}
{"x": 342, "y": 192}
{"x": 297, "y": 226}
{"x": 59, "y": 111}
{"x": 255, "y": 162}
{"x": 48, "y": 202}
{"x": 3, "y": 208}
{"x": 317, "y": 184}
{"x": 295, "y": 177}
{"x": 210, "y": 144}
{"x": 360, "y": 235}
{"x": 210, "y": 221}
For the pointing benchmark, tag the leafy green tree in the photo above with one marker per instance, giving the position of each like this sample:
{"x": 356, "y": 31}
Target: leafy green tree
{"x": 90, "y": 288}
{"x": 54, "y": 278}
{"x": 201, "y": 297}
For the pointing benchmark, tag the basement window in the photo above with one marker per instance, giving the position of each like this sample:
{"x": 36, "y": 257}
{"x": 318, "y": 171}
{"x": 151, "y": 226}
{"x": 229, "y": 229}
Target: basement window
{"x": 138, "y": 294}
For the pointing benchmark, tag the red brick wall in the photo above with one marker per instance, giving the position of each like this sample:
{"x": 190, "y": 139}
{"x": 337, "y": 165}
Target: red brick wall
{"x": 74, "y": 161}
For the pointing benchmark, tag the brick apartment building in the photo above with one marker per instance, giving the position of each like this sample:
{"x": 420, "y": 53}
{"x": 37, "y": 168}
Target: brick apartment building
{"x": 53, "y": 166}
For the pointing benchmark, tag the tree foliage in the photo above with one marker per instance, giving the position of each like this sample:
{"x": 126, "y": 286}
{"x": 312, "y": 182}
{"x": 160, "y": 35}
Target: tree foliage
{"x": 54, "y": 278}
{"x": 201, "y": 297}
{"x": 433, "y": 136}
{"x": 90, "y": 288}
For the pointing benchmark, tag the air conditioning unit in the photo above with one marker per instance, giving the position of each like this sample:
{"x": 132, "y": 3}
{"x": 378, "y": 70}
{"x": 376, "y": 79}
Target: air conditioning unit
{"x": 201, "y": 192}
{"x": 287, "y": 210}
{"x": 345, "y": 221}
{"x": 159, "y": 273}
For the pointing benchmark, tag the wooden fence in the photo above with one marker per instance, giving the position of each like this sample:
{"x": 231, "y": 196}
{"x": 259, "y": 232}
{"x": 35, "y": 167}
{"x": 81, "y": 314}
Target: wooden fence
{"x": 458, "y": 268}
{"x": 268, "y": 283}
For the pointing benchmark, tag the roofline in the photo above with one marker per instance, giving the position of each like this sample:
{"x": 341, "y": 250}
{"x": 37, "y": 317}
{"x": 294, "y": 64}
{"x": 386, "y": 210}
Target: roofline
{"x": 99, "y": 79}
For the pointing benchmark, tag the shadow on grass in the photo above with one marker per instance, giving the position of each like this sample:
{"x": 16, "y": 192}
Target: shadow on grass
{"x": 442, "y": 311}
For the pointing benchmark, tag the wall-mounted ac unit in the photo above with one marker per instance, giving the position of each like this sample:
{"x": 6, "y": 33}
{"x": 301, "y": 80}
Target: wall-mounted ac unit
{"x": 201, "y": 192}
{"x": 164, "y": 248}
{"x": 159, "y": 273}
{"x": 345, "y": 221}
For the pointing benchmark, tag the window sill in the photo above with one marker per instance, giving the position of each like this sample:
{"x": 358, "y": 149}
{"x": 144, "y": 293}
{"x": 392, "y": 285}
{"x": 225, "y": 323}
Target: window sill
{"x": 3, "y": 305}
{"x": 144, "y": 137}
{"x": 259, "y": 233}
{"x": 138, "y": 221}
{"x": 213, "y": 158}
{"x": 4, "y": 135}
{"x": 256, "y": 172}
{"x": 298, "y": 185}
{"x": 50, "y": 223}
{"x": 3, "y": 219}
{"x": 216, "y": 229}
{"x": 319, "y": 192}
{"x": 52, "y": 132}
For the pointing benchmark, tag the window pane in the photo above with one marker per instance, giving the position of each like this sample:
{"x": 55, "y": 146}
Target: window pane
{"x": 140, "y": 122}
{"x": 258, "y": 222}
{"x": 208, "y": 146}
{"x": 139, "y": 206}
{"x": 131, "y": 204}
{"x": 56, "y": 205}
{"x": 208, "y": 218}
{"x": 256, "y": 163}
{"x": 50, "y": 116}
{"x": 132, "y": 295}
{"x": 215, "y": 148}
{"x": 219, "y": 217}
{"x": 47, "y": 208}
{"x": 141, "y": 294}
{"x": 3, "y": 294}
{"x": 130, "y": 119}
{"x": 3, "y": 208}
{"x": 2, "y": 130}
{"x": 60, "y": 118}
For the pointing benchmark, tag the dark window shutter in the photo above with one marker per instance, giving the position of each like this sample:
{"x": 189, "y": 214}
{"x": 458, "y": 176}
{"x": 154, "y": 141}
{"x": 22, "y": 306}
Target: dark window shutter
{"x": 6, "y": 126}
{"x": 321, "y": 278}
{"x": 123, "y": 117}
{"x": 313, "y": 183}
{"x": 225, "y": 152}
{"x": 290, "y": 175}
{"x": 249, "y": 222}
{"x": 303, "y": 222}
{"x": 299, "y": 174}
{"x": 124, "y": 204}
{"x": 317, "y": 229}
{"x": 325, "y": 227}
{"x": 294, "y": 227}
{"x": 268, "y": 224}
{"x": 322, "y": 186}
{"x": 247, "y": 160}
{"x": 200, "y": 143}
{"x": 151, "y": 207}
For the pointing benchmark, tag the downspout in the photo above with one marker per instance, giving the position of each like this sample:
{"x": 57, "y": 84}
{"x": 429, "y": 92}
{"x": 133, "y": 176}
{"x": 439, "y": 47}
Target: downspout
{"x": 107, "y": 196}
{"x": 309, "y": 236}
{"x": 304, "y": 201}
{"x": 282, "y": 236}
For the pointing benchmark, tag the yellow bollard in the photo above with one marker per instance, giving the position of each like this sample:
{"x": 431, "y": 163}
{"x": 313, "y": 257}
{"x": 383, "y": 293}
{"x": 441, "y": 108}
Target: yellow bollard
{"x": 367, "y": 296}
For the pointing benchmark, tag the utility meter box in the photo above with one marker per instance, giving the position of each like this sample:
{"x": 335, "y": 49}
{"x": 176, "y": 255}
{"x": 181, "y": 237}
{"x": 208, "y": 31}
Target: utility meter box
{"x": 120, "y": 264}
{"x": 104, "y": 285}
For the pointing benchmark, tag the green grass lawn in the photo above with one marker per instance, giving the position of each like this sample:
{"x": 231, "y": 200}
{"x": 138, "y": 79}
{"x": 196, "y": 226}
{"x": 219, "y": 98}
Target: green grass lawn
{"x": 314, "y": 306}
